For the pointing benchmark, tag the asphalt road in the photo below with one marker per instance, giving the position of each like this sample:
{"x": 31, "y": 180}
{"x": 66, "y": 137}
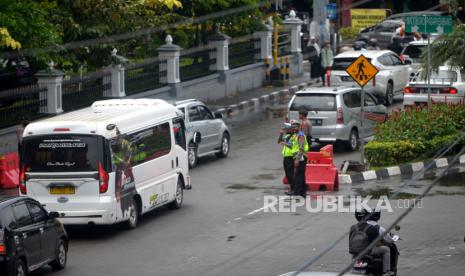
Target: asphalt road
{"x": 222, "y": 230}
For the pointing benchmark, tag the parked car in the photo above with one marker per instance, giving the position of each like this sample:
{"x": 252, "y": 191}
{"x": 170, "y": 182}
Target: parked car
{"x": 383, "y": 32}
{"x": 447, "y": 85}
{"x": 15, "y": 72}
{"x": 390, "y": 80}
{"x": 335, "y": 113}
{"x": 412, "y": 53}
{"x": 206, "y": 132}
{"x": 30, "y": 237}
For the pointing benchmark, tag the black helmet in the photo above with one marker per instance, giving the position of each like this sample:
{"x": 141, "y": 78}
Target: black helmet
{"x": 361, "y": 214}
{"x": 365, "y": 214}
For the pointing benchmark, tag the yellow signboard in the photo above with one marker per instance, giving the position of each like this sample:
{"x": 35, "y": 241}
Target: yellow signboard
{"x": 362, "y": 18}
{"x": 361, "y": 70}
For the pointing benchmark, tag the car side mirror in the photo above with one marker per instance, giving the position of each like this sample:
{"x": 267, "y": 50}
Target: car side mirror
{"x": 218, "y": 115}
{"x": 397, "y": 227}
{"x": 407, "y": 62}
{"x": 53, "y": 215}
{"x": 197, "y": 138}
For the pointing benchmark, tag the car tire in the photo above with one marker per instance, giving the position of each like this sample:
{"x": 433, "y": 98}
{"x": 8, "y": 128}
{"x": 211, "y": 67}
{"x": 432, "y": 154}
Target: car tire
{"x": 353, "y": 143}
{"x": 389, "y": 97}
{"x": 61, "y": 256}
{"x": 134, "y": 213}
{"x": 224, "y": 147}
{"x": 177, "y": 202}
{"x": 20, "y": 268}
{"x": 192, "y": 155}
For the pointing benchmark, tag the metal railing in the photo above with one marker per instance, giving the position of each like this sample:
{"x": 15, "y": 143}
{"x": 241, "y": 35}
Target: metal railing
{"x": 284, "y": 44}
{"x": 145, "y": 76}
{"x": 25, "y": 102}
{"x": 243, "y": 53}
{"x": 196, "y": 65}
{"x": 82, "y": 92}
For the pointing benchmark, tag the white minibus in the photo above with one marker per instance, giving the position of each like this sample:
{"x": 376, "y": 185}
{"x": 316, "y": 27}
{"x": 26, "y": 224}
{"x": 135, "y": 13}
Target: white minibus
{"x": 107, "y": 163}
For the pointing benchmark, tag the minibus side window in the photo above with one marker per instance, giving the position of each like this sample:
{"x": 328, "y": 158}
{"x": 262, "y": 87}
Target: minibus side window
{"x": 144, "y": 145}
{"x": 179, "y": 132}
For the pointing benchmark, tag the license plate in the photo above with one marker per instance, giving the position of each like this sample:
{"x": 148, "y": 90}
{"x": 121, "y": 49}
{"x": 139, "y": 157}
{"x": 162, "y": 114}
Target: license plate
{"x": 68, "y": 190}
{"x": 346, "y": 78}
{"x": 317, "y": 122}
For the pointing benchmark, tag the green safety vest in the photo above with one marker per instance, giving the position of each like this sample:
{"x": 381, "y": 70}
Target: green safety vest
{"x": 295, "y": 144}
{"x": 287, "y": 152}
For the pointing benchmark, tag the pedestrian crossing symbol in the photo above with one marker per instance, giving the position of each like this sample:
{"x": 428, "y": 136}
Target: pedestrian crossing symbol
{"x": 361, "y": 70}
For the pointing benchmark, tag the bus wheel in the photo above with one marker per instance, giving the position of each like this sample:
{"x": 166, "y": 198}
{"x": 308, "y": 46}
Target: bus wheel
{"x": 177, "y": 202}
{"x": 133, "y": 215}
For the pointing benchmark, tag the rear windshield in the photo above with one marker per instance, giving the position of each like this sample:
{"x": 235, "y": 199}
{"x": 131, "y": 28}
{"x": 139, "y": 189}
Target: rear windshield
{"x": 340, "y": 64}
{"x": 314, "y": 102}
{"x": 444, "y": 75}
{"x": 62, "y": 153}
{"x": 414, "y": 51}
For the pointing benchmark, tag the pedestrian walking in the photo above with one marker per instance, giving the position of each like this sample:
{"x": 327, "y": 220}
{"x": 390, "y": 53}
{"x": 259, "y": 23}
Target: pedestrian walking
{"x": 326, "y": 59}
{"x": 20, "y": 132}
{"x": 288, "y": 160}
{"x": 314, "y": 59}
{"x": 299, "y": 153}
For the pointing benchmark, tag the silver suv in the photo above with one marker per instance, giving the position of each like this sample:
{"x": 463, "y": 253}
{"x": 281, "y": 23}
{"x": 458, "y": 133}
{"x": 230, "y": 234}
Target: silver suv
{"x": 206, "y": 132}
{"x": 335, "y": 113}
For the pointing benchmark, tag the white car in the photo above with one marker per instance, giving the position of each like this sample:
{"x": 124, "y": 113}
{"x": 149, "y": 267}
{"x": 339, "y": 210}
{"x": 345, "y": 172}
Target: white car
{"x": 412, "y": 53}
{"x": 391, "y": 79}
{"x": 447, "y": 85}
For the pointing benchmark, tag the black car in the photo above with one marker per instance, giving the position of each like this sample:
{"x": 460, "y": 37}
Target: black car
{"x": 30, "y": 237}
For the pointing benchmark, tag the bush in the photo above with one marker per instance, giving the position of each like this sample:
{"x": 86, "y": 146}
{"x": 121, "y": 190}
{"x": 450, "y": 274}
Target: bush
{"x": 349, "y": 32}
{"x": 391, "y": 153}
{"x": 416, "y": 134}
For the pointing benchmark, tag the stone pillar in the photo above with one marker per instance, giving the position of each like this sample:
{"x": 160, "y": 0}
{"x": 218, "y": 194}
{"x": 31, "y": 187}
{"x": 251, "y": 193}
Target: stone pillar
{"x": 220, "y": 42}
{"x": 295, "y": 24}
{"x": 168, "y": 55}
{"x": 117, "y": 82}
{"x": 51, "y": 79}
{"x": 265, "y": 36}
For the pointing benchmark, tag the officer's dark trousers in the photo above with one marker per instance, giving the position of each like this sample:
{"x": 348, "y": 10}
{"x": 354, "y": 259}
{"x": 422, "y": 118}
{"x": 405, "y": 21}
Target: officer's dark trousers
{"x": 289, "y": 171}
{"x": 300, "y": 188}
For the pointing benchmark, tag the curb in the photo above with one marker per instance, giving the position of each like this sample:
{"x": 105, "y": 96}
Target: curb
{"x": 406, "y": 169}
{"x": 254, "y": 103}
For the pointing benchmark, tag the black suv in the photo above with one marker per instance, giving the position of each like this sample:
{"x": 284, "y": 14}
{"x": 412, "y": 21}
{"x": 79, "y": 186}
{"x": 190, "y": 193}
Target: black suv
{"x": 30, "y": 237}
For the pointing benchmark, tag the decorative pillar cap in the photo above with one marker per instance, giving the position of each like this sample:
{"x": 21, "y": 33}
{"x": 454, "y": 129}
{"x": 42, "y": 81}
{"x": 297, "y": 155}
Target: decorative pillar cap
{"x": 169, "y": 46}
{"x": 50, "y": 71}
{"x": 218, "y": 35}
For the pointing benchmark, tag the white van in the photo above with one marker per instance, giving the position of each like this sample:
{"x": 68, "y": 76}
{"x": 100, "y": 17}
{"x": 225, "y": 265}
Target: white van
{"x": 107, "y": 163}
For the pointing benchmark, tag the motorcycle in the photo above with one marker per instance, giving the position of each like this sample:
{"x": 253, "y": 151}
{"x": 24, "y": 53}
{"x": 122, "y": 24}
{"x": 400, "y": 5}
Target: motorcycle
{"x": 373, "y": 264}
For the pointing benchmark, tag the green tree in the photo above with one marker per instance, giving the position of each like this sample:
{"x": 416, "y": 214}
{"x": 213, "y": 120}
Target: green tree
{"x": 27, "y": 22}
{"x": 448, "y": 48}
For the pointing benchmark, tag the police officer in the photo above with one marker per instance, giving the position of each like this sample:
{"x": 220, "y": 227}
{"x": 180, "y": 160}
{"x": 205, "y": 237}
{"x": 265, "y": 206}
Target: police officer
{"x": 299, "y": 154}
{"x": 288, "y": 160}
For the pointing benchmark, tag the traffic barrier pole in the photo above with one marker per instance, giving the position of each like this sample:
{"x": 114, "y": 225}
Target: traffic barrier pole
{"x": 267, "y": 69}
{"x": 287, "y": 68}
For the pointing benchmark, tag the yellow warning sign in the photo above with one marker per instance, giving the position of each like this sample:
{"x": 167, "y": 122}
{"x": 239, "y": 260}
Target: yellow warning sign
{"x": 361, "y": 70}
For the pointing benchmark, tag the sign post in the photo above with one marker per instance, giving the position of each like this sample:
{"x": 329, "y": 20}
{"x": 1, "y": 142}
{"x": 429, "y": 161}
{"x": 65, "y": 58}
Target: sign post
{"x": 362, "y": 71}
{"x": 429, "y": 25}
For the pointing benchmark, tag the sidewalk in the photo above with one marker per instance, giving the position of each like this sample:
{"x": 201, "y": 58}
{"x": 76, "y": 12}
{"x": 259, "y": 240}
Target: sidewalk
{"x": 256, "y": 93}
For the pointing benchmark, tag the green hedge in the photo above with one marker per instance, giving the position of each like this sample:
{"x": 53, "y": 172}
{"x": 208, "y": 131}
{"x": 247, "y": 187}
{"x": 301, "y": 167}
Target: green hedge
{"x": 416, "y": 134}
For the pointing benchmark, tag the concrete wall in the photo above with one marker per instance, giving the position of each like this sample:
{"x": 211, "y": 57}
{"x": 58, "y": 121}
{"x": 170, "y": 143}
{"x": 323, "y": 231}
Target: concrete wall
{"x": 212, "y": 87}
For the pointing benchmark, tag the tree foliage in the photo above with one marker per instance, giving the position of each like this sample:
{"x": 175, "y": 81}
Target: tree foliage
{"x": 448, "y": 48}
{"x": 27, "y": 22}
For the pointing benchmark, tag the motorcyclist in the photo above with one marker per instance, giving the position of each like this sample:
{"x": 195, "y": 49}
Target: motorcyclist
{"x": 368, "y": 222}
